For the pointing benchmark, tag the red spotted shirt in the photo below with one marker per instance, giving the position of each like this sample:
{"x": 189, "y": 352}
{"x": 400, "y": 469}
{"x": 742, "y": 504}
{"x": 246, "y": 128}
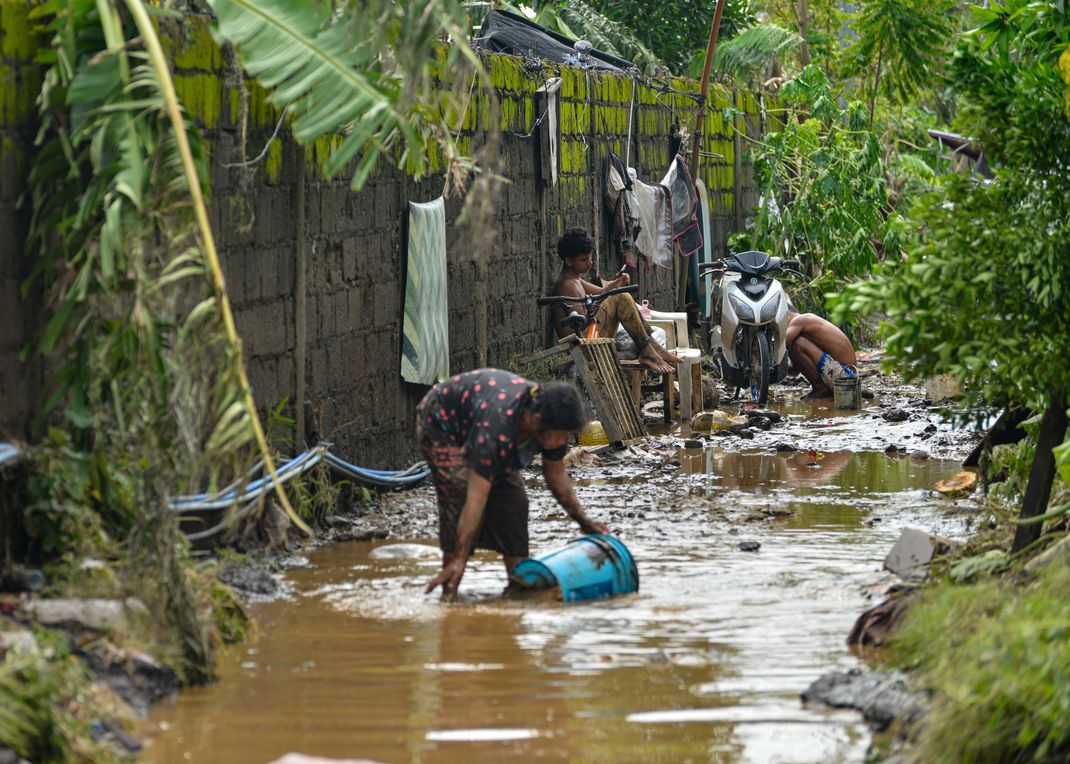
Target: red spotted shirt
{"x": 481, "y": 410}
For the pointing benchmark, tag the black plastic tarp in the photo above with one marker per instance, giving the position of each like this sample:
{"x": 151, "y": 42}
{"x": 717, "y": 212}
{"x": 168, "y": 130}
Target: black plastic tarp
{"x": 504, "y": 32}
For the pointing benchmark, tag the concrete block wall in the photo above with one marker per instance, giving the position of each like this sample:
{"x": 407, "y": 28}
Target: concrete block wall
{"x": 315, "y": 272}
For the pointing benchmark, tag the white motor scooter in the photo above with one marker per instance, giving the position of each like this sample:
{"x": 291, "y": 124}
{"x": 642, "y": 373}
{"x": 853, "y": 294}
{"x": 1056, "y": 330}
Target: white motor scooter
{"x": 750, "y": 321}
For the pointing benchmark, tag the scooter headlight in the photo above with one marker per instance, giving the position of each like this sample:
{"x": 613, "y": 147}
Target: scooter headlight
{"x": 769, "y": 310}
{"x": 743, "y": 309}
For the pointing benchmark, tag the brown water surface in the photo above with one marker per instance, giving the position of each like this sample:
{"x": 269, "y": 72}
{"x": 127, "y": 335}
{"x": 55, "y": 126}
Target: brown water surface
{"x": 706, "y": 663}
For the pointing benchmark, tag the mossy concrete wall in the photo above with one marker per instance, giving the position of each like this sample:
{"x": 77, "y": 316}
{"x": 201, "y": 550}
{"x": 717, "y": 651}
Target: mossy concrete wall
{"x": 20, "y": 82}
{"x": 315, "y": 271}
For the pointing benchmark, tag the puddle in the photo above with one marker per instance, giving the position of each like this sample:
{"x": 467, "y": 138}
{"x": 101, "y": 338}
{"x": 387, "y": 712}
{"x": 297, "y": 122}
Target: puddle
{"x": 705, "y": 663}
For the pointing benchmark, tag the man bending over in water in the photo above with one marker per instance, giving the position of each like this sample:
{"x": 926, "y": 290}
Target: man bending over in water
{"x": 576, "y": 251}
{"x": 819, "y": 351}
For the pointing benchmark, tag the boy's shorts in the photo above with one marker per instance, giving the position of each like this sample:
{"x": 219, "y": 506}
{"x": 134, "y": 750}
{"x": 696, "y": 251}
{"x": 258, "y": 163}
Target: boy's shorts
{"x": 831, "y": 370}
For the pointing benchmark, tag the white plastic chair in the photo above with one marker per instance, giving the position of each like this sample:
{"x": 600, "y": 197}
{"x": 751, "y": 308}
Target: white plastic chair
{"x": 690, "y": 375}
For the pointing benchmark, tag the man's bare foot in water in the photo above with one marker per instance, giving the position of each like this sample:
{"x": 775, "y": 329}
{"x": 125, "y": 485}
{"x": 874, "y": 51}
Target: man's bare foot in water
{"x": 818, "y": 394}
{"x": 651, "y": 359}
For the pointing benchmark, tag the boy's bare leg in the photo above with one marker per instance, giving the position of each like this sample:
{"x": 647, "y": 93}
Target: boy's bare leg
{"x": 621, "y": 310}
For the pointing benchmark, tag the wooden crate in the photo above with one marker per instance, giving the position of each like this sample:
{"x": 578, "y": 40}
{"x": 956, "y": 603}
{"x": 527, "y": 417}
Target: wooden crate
{"x": 599, "y": 368}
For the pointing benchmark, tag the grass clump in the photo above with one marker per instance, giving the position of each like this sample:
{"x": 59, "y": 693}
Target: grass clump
{"x": 996, "y": 658}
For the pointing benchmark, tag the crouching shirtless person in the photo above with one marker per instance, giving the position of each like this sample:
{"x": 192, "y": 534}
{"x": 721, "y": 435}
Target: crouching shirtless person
{"x": 819, "y": 351}
{"x": 576, "y": 251}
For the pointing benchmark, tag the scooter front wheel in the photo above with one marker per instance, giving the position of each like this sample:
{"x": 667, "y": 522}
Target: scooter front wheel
{"x": 759, "y": 367}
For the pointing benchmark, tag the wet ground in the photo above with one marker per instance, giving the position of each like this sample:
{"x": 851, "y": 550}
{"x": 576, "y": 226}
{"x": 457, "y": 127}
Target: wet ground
{"x": 705, "y": 663}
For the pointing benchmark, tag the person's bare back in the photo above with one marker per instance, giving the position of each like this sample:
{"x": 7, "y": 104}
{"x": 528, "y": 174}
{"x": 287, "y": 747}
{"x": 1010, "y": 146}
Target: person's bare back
{"x": 824, "y": 334}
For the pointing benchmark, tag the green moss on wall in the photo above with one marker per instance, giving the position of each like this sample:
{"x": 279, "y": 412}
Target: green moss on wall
{"x": 18, "y": 38}
{"x": 195, "y": 49}
{"x": 273, "y": 162}
{"x": 202, "y": 97}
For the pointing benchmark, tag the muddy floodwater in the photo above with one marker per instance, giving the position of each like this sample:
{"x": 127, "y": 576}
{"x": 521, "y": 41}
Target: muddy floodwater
{"x": 705, "y": 663}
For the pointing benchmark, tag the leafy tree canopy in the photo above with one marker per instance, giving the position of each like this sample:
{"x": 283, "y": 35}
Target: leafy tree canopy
{"x": 985, "y": 291}
{"x": 824, "y": 167}
{"x": 673, "y": 31}
{"x": 898, "y": 44}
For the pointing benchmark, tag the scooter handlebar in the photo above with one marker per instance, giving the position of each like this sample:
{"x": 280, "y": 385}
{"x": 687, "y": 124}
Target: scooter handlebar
{"x": 716, "y": 265}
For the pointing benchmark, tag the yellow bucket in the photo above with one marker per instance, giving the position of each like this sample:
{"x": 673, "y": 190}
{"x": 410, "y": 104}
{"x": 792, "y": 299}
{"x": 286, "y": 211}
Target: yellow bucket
{"x": 592, "y": 434}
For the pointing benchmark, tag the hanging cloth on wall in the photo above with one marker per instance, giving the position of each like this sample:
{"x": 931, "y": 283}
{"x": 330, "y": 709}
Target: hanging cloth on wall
{"x": 686, "y": 234}
{"x": 621, "y": 207}
{"x": 425, "y": 351}
{"x": 654, "y": 239}
{"x": 550, "y": 91}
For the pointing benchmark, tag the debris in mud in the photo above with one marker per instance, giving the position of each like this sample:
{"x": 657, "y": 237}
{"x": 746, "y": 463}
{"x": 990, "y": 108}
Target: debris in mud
{"x": 766, "y": 513}
{"x": 880, "y": 696}
{"x": 873, "y": 627}
{"x": 693, "y": 443}
{"x": 248, "y": 579}
{"x": 895, "y": 415}
{"x": 784, "y": 445}
{"x": 405, "y": 552}
{"x": 957, "y": 486}
{"x": 364, "y": 532}
{"x": 111, "y": 731}
{"x": 912, "y": 553}
{"x": 749, "y": 546}
{"x": 94, "y": 614}
{"x": 716, "y": 420}
{"x": 300, "y": 758}
{"x": 135, "y": 676}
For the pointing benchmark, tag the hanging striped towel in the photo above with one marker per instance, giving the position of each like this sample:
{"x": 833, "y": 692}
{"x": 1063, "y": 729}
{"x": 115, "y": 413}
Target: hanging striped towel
{"x": 425, "y": 348}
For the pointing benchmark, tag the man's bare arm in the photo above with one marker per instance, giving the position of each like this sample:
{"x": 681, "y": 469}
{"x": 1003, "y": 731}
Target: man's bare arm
{"x": 561, "y": 487}
{"x": 475, "y": 504}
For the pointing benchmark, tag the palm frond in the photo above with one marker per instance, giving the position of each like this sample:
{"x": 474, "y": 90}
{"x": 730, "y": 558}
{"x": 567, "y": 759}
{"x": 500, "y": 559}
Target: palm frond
{"x": 364, "y": 73}
{"x": 745, "y": 56}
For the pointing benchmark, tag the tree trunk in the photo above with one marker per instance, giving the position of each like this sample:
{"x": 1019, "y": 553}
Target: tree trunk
{"x": 803, "y": 20}
{"x": 876, "y": 85}
{"x": 1042, "y": 473}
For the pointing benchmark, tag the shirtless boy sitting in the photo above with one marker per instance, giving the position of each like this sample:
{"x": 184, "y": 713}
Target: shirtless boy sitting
{"x": 576, "y": 251}
{"x": 819, "y": 351}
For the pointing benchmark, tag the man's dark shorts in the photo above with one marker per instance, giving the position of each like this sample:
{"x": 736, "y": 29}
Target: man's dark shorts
{"x": 505, "y": 519}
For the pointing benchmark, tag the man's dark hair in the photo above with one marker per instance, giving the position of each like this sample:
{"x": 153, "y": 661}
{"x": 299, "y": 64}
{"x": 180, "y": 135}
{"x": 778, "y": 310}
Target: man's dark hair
{"x": 574, "y": 242}
{"x": 559, "y": 407}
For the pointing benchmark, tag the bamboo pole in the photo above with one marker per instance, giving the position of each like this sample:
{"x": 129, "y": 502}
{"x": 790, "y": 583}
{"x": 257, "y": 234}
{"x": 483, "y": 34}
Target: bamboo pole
{"x": 715, "y": 27}
{"x": 163, "y": 72}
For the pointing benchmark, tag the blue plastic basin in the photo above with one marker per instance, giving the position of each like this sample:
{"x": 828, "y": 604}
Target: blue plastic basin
{"x": 592, "y": 566}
